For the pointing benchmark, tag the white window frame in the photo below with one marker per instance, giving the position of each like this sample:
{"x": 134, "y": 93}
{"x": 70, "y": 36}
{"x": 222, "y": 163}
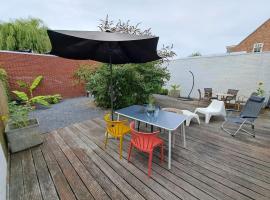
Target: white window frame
{"x": 257, "y": 46}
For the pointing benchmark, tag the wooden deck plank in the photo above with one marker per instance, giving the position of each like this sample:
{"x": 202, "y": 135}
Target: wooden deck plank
{"x": 222, "y": 180}
{"x": 30, "y": 180}
{"x": 86, "y": 177}
{"x": 72, "y": 164}
{"x": 235, "y": 156}
{"x": 45, "y": 181}
{"x": 165, "y": 172}
{"x": 62, "y": 187}
{"x": 180, "y": 192}
{"x": 227, "y": 171}
{"x": 16, "y": 188}
{"x": 161, "y": 191}
{"x": 216, "y": 185}
{"x": 101, "y": 178}
{"x": 208, "y": 159}
{"x": 131, "y": 179}
{"x": 227, "y": 160}
{"x": 78, "y": 187}
{"x": 117, "y": 180}
{"x": 146, "y": 187}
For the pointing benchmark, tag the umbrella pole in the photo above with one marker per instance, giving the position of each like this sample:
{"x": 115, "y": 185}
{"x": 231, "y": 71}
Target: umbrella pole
{"x": 111, "y": 88}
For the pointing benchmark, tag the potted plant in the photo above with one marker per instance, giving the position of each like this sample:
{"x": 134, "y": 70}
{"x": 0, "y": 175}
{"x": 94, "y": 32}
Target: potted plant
{"x": 260, "y": 89}
{"x": 175, "y": 91}
{"x": 22, "y": 132}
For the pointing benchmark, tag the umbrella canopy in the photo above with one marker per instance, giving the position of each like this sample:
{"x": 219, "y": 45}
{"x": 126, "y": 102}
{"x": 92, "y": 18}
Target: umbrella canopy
{"x": 107, "y": 47}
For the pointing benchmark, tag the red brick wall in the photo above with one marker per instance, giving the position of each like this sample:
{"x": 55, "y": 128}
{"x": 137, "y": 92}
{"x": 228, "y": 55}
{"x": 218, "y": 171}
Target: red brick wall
{"x": 57, "y": 72}
{"x": 260, "y": 35}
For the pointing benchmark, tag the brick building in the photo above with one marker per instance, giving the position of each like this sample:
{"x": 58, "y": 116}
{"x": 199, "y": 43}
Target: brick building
{"x": 257, "y": 41}
{"x": 58, "y": 73}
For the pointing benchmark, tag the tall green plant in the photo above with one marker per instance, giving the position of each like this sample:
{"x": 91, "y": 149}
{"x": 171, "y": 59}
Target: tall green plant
{"x": 4, "y": 79}
{"x": 22, "y": 34}
{"x": 31, "y": 87}
{"x": 133, "y": 83}
{"x": 18, "y": 114}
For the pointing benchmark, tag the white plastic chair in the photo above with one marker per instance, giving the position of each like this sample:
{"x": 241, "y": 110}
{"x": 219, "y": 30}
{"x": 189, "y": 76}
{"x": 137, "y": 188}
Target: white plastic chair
{"x": 216, "y": 108}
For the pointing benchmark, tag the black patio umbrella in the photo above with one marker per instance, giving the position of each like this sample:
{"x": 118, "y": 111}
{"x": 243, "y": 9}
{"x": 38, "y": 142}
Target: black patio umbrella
{"x": 106, "y": 47}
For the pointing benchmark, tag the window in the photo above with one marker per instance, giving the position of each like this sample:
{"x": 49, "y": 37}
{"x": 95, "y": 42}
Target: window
{"x": 257, "y": 47}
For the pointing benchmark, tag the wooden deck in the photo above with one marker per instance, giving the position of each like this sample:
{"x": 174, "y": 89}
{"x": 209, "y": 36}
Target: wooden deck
{"x": 72, "y": 164}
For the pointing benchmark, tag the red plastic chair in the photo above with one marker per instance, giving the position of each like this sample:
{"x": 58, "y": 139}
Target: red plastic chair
{"x": 145, "y": 142}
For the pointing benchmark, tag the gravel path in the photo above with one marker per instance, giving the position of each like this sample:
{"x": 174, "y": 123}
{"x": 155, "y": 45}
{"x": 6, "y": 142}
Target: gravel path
{"x": 67, "y": 112}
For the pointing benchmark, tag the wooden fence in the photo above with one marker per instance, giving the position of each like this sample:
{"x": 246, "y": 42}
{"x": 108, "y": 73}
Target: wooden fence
{"x": 3, "y": 112}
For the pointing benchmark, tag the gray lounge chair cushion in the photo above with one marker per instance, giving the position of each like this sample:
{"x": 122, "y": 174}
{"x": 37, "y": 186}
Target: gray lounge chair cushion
{"x": 256, "y": 99}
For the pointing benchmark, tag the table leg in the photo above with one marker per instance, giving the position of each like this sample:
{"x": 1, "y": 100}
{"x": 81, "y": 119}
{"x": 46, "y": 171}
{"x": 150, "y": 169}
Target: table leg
{"x": 173, "y": 142}
{"x": 184, "y": 135}
{"x": 169, "y": 152}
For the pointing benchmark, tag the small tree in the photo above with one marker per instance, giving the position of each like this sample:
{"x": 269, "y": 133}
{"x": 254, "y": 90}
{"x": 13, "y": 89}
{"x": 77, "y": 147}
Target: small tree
{"x": 24, "y": 34}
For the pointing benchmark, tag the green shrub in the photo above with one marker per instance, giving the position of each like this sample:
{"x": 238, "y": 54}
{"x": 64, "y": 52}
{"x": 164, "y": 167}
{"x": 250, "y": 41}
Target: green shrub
{"x": 132, "y": 83}
{"x": 4, "y": 79}
{"x": 18, "y": 114}
{"x": 163, "y": 91}
{"x": 31, "y": 100}
{"x": 53, "y": 99}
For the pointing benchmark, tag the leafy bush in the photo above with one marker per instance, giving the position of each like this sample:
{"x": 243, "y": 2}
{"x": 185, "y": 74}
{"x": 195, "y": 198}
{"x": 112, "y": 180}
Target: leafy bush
{"x": 84, "y": 72}
{"x": 132, "y": 83}
{"x": 163, "y": 91}
{"x": 53, "y": 99}
{"x": 4, "y": 79}
{"x": 18, "y": 114}
{"x": 30, "y": 100}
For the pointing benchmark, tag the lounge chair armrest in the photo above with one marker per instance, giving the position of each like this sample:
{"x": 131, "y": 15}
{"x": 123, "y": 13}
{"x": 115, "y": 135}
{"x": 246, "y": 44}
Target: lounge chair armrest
{"x": 249, "y": 116}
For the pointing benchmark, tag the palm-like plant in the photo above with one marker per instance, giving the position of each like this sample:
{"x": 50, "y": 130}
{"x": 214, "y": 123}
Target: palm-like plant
{"x": 30, "y": 100}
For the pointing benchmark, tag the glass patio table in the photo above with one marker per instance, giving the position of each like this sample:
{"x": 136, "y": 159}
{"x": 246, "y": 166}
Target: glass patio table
{"x": 162, "y": 119}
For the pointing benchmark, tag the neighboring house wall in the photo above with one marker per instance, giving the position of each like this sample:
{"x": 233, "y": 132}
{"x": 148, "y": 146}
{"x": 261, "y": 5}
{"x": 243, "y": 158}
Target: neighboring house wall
{"x": 57, "y": 72}
{"x": 222, "y": 72}
{"x": 260, "y": 35}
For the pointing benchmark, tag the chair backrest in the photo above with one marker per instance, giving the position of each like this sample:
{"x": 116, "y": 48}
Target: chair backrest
{"x": 253, "y": 107}
{"x": 142, "y": 140}
{"x": 216, "y": 104}
{"x": 208, "y": 92}
{"x": 200, "y": 94}
{"x": 232, "y": 92}
{"x": 115, "y": 128}
{"x": 217, "y": 107}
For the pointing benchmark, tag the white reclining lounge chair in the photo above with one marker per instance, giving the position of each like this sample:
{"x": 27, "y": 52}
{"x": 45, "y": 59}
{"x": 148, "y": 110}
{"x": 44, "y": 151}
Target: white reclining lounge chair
{"x": 216, "y": 108}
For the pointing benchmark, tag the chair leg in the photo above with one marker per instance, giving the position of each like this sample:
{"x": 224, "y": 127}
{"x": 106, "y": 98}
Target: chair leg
{"x": 129, "y": 151}
{"x": 150, "y": 163}
{"x": 121, "y": 147}
{"x": 106, "y": 139}
{"x": 207, "y": 118}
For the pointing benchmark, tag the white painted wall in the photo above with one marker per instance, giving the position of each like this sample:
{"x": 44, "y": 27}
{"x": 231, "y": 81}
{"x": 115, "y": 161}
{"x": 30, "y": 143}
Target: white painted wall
{"x": 221, "y": 72}
{"x": 3, "y": 174}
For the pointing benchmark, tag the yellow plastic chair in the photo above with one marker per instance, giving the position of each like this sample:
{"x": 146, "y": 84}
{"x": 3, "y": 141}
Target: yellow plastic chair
{"x": 117, "y": 129}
